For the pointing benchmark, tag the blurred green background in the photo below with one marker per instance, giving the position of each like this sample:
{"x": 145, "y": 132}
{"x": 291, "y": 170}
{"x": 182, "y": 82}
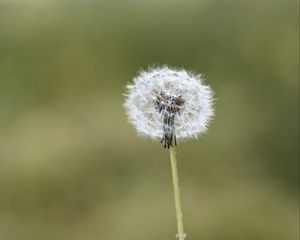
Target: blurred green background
{"x": 71, "y": 167}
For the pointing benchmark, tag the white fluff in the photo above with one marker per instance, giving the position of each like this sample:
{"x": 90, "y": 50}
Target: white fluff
{"x": 196, "y": 112}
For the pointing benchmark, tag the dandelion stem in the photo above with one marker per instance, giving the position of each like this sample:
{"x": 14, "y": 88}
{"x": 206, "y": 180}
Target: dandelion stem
{"x": 179, "y": 214}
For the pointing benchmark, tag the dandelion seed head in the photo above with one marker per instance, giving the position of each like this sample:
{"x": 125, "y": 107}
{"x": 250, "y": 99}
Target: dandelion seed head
{"x": 163, "y": 98}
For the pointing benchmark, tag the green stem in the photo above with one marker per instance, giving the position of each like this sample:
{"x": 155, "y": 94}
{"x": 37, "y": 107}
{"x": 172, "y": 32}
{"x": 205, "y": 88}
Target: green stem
{"x": 179, "y": 214}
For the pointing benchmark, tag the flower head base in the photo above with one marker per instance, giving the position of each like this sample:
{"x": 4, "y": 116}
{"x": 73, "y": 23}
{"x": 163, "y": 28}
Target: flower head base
{"x": 168, "y": 106}
{"x": 168, "y": 103}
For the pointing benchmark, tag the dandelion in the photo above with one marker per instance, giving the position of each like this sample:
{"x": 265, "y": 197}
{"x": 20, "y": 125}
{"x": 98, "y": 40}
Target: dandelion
{"x": 170, "y": 104}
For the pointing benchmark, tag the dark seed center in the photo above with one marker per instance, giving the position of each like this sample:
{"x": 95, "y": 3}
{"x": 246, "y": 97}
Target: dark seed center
{"x": 169, "y": 105}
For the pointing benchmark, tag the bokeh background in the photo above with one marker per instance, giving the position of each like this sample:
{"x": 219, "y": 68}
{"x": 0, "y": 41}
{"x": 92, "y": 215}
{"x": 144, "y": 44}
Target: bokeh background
{"x": 72, "y": 167}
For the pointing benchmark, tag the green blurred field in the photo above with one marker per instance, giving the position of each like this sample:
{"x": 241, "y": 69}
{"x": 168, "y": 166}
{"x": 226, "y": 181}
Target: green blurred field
{"x": 71, "y": 167}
